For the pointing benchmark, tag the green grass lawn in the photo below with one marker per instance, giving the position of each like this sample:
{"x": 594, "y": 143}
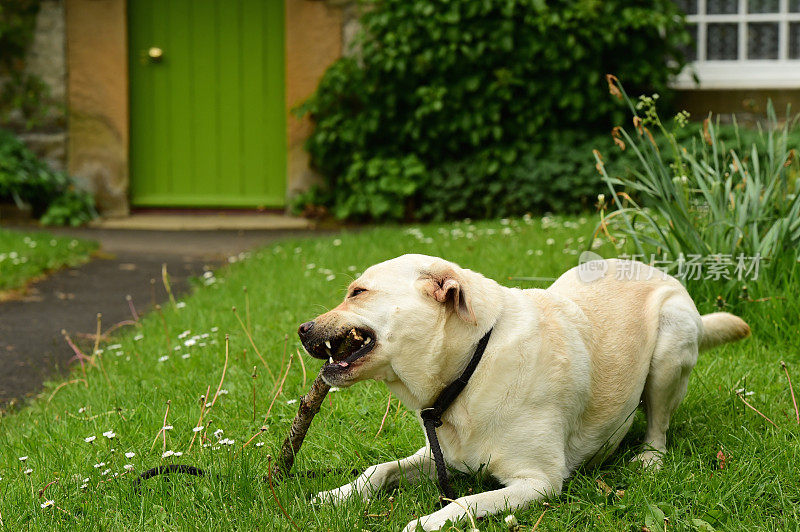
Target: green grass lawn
{"x": 28, "y": 255}
{"x": 90, "y": 483}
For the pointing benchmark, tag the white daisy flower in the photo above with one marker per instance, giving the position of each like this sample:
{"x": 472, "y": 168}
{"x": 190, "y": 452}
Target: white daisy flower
{"x": 110, "y": 434}
{"x": 23, "y": 458}
{"x": 130, "y": 454}
{"x": 90, "y": 439}
{"x": 164, "y": 358}
{"x": 28, "y": 471}
{"x": 98, "y": 466}
{"x": 260, "y": 444}
{"x": 128, "y": 467}
{"x": 198, "y": 429}
{"x": 167, "y": 454}
{"x": 48, "y": 504}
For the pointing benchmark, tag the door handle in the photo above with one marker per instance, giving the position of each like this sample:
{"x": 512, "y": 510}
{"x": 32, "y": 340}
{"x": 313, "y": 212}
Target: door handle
{"x": 155, "y": 54}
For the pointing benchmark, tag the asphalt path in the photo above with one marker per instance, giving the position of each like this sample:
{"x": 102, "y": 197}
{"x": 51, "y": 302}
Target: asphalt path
{"x": 32, "y": 346}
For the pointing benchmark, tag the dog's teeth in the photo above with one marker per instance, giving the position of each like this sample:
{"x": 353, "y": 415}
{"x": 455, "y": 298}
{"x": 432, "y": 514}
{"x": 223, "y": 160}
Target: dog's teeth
{"x": 368, "y": 340}
{"x": 328, "y": 344}
{"x": 343, "y": 364}
{"x": 330, "y": 360}
{"x": 329, "y": 352}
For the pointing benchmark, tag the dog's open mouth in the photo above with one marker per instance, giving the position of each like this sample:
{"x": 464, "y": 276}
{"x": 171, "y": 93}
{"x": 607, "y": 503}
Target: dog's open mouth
{"x": 344, "y": 349}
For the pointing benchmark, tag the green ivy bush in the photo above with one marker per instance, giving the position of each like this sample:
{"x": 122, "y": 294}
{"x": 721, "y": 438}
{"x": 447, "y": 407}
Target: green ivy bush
{"x": 27, "y": 180}
{"x": 465, "y": 81}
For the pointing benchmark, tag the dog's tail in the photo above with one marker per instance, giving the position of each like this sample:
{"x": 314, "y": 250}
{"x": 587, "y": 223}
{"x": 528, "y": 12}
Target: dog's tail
{"x": 720, "y": 328}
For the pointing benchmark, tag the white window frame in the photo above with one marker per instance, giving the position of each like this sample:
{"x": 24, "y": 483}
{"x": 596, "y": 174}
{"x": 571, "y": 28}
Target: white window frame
{"x": 742, "y": 73}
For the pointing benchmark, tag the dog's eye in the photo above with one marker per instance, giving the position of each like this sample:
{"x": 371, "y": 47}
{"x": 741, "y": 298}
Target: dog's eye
{"x": 357, "y": 291}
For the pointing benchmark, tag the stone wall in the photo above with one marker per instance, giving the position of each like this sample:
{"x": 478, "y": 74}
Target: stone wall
{"x": 46, "y": 59}
{"x": 317, "y": 34}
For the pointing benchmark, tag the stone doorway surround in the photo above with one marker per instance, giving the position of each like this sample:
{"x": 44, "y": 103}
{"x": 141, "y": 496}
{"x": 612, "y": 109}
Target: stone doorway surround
{"x": 97, "y": 96}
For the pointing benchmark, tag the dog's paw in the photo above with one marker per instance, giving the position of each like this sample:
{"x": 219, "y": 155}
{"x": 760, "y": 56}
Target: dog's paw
{"x": 652, "y": 460}
{"x": 336, "y": 496}
{"x": 425, "y": 523}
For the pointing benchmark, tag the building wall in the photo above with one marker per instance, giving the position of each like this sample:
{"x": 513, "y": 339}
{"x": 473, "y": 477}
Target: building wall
{"x": 97, "y": 98}
{"x": 46, "y": 59}
{"x": 98, "y": 88}
{"x": 748, "y": 105}
{"x": 314, "y": 36}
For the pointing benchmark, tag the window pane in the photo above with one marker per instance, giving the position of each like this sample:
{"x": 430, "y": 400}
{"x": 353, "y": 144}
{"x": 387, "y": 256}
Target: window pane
{"x": 762, "y": 40}
{"x": 794, "y": 6}
{"x": 763, "y": 6}
{"x": 722, "y": 41}
{"x": 794, "y": 40}
{"x": 690, "y": 50}
{"x": 688, "y": 6}
{"x": 718, "y": 7}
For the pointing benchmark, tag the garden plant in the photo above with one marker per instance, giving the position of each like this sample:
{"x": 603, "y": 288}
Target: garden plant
{"x": 463, "y": 108}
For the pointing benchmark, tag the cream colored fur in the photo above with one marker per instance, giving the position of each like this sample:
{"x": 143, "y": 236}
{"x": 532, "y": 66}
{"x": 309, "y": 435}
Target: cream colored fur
{"x": 562, "y": 375}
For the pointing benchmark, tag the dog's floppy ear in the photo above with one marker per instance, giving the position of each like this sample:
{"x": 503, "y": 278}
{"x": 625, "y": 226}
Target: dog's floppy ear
{"x": 446, "y": 285}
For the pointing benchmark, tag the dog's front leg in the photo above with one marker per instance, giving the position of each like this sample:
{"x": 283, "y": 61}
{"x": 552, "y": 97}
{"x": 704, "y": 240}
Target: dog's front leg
{"x": 385, "y": 475}
{"x": 519, "y": 493}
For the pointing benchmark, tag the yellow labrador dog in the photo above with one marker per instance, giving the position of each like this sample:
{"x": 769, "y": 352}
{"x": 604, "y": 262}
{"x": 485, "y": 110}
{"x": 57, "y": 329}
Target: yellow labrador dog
{"x": 564, "y": 370}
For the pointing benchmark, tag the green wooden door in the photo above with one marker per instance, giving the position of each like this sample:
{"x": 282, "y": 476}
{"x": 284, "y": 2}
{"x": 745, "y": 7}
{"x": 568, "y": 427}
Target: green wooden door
{"x": 208, "y": 115}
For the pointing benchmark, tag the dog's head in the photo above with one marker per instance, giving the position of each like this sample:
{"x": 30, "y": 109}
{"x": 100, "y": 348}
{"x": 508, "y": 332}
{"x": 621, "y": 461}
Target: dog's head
{"x": 393, "y": 320}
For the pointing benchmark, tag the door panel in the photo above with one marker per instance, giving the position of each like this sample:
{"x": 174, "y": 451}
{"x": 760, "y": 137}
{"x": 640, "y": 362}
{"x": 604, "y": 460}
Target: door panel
{"x": 207, "y": 118}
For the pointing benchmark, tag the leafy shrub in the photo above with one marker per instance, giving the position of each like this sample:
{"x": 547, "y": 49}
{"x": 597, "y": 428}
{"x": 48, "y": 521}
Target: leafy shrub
{"x": 445, "y": 81}
{"x": 26, "y": 180}
{"x": 708, "y": 199}
{"x": 21, "y": 93}
{"x": 559, "y": 177}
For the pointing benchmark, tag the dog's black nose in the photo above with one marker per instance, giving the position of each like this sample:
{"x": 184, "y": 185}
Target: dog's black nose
{"x": 305, "y": 328}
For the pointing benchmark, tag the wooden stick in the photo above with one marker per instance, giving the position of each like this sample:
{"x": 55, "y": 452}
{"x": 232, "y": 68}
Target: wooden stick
{"x": 791, "y": 390}
{"x": 309, "y": 406}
